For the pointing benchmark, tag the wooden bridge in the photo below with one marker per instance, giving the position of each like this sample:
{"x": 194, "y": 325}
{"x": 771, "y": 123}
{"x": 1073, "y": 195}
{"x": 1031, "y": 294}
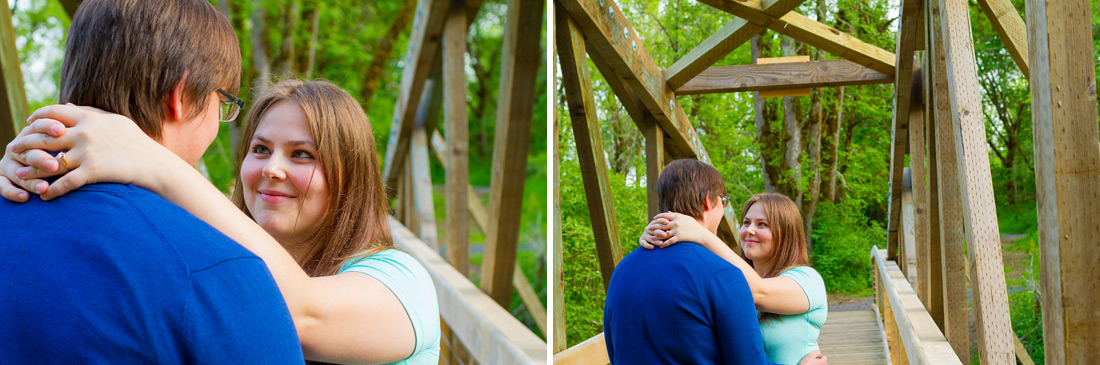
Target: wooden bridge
{"x": 942, "y": 213}
{"x": 478, "y": 326}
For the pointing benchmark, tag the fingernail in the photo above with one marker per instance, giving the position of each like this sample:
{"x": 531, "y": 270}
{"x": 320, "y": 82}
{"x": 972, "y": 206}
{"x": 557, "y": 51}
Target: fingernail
{"x": 41, "y": 187}
{"x": 55, "y": 130}
{"x": 22, "y": 195}
{"x": 15, "y": 147}
{"x": 22, "y": 172}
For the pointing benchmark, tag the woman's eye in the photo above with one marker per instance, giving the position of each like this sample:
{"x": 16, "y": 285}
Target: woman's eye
{"x": 745, "y": 223}
{"x": 763, "y": 225}
{"x": 260, "y": 149}
{"x": 301, "y": 154}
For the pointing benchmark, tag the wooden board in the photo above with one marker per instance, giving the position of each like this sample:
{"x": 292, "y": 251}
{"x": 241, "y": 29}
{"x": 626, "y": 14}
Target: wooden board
{"x": 976, "y": 186}
{"x": 586, "y": 130}
{"x": 558, "y": 279}
{"x": 491, "y": 334}
{"x": 780, "y": 76}
{"x": 721, "y": 43}
{"x": 457, "y": 128}
{"x": 812, "y": 32}
{"x": 654, "y": 162}
{"x": 853, "y": 337}
{"x": 776, "y": 93}
{"x": 899, "y": 138}
{"x": 1067, "y": 175}
{"x": 422, "y": 52}
{"x": 515, "y": 108}
{"x": 917, "y": 333}
{"x": 955, "y": 322}
{"x": 919, "y": 187}
{"x": 1010, "y": 27}
{"x": 592, "y": 351}
{"x": 13, "y": 98}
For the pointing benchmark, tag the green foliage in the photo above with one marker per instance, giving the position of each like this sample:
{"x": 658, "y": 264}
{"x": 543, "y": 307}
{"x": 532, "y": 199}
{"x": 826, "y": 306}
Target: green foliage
{"x": 842, "y": 239}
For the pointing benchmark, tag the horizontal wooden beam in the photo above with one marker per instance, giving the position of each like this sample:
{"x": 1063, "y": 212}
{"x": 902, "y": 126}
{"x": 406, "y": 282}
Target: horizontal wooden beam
{"x": 590, "y": 352}
{"x": 721, "y": 43}
{"x": 781, "y": 76}
{"x": 812, "y": 32}
{"x": 490, "y": 332}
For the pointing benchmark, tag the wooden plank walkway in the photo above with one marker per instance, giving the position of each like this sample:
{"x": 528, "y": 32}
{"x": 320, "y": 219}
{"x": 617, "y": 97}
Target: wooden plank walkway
{"x": 852, "y": 337}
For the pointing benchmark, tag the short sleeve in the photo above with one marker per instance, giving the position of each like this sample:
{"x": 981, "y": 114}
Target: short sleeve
{"x": 413, "y": 286}
{"x": 812, "y": 284}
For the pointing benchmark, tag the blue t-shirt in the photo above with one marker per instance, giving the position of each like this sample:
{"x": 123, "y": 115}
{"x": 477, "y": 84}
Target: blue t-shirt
{"x": 115, "y": 274}
{"x": 680, "y": 305}
{"x": 413, "y": 286}
{"x": 791, "y": 337}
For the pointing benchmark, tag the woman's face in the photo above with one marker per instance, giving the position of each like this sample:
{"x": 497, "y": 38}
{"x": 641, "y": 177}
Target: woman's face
{"x": 284, "y": 185}
{"x": 756, "y": 234}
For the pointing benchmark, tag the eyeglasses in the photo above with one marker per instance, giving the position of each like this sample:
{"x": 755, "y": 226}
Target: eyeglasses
{"x": 230, "y": 107}
{"x": 725, "y": 200}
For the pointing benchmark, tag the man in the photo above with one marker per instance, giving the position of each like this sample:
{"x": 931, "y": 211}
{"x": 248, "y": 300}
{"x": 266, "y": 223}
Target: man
{"x": 683, "y": 304}
{"x": 113, "y": 273}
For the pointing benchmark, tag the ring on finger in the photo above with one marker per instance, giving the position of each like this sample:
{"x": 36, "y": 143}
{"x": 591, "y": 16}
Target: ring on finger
{"x": 61, "y": 158}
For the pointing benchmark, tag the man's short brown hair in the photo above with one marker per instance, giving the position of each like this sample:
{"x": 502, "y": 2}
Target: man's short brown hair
{"x": 124, "y": 56}
{"x": 685, "y": 184}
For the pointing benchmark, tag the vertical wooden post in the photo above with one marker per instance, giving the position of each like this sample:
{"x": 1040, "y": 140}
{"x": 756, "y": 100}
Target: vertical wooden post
{"x": 412, "y": 219}
{"x": 908, "y": 230}
{"x": 558, "y": 280}
{"x": 515, "y": 105}
{"x": 13, "y": 98}
{"x": 454, "y": 111}
{"x": 654, "y": 160}
{"x": 920, "y": 192}
{"x": 955, "y": 321}
{"x": 1067, "y": 175}
{"x": 976, "y": 187}
{"x": 422, "y": 188}
{"x": 934, "y": 302}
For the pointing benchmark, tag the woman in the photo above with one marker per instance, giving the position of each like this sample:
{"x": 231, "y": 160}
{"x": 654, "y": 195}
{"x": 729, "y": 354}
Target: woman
{"x": 790, "y": 296}
{"x": 313, "y": 209}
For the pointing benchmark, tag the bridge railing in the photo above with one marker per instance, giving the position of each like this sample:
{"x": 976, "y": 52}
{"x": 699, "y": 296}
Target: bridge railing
{"x": 912, "y": 336}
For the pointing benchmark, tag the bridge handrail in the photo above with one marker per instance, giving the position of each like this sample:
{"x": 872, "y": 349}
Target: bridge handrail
{"x": 590, "y": 352}
{"x": 490, "y": 333}
{"x": 910, "y": 330}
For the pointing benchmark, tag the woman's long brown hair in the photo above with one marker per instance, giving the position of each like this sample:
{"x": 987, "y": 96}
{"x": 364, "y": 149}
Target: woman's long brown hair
{"x": 787, "y": 234}
{"x": 356, "y": 223}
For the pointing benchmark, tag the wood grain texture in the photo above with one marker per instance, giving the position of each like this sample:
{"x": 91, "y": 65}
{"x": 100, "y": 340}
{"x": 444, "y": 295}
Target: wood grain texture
{"x": 1010, "y": 27}
{"x": 955, "y": 322}
{"x": 422, "y": 52}
{"x": 725, "y": 40}
{"x": 899, "y": 138}
{"x": 609, "y": 37}
{"x": 558, "y": 279}
{"x": 586, "y": 130}
{"x": 654, "y": 162}
{"x": 491, "y": 334}
{"x": 788, "y": 92}
{"x": 812, "y": 32}
{"x": 13, "y": 98}
{"x": 976, "y": 186}
{"x": 592, "y": 351}
{"x": 919, "y": 187}
{"x": 1067, "y": 175}
{"x": 935, "y": 301}
{"x": 918, "y": 337}
{"x": 457, "y": 128}
{"x": 829, "y": 73}
{"x": 515, "y": 107}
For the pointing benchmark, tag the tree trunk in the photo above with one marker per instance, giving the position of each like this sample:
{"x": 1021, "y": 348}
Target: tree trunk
{"x": 765, "y": 137}
{"x": 260, "y": 60}
{"x": 385, "y": 51}
{"x": 792, "y": 154}
{"x": 307, "y": 58}
{"x": 287, "y": 57}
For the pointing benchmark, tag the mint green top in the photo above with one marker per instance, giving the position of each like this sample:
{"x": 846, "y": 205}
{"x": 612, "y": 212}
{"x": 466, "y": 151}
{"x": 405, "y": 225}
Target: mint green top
{"x": 787, "y": 340}
{"x": 413, "y": 286}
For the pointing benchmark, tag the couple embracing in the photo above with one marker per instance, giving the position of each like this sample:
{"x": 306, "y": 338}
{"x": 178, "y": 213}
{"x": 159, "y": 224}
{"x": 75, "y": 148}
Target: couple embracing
{"x": 699, "y": 302}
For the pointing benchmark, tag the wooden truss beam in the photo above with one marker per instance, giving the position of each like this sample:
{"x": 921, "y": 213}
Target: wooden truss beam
{"x": 976, "y": 186}
{"x": 812, "y": 32}
{"x": 457, "y": 126}
{"x": 1067, "y": 175}
{"x": 721, "y": 43}
{"x": 899, "y": 139}
{"x": 520, "y": 60}
{"x": 1010, "y": 27}
{"x": 13, "y": 98}
{"x": 586, "y": 129}
{"x": 490, "y": 332}
{"x": 780, "y": 76}
{"x": 421, "y": 59}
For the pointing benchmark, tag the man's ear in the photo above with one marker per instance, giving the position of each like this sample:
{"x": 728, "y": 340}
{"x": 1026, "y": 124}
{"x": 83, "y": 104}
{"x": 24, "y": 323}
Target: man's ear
{"x": 707, "y": 205}
{"x": 175, "y": 107}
